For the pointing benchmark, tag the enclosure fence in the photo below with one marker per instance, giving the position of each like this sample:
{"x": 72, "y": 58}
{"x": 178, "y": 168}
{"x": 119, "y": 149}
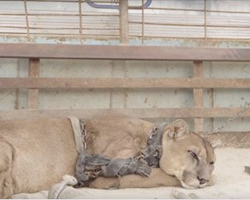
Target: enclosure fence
{"x": 207, "y": 19}
{"x": 204, "y": 19}
{"x": 35, "y": 52}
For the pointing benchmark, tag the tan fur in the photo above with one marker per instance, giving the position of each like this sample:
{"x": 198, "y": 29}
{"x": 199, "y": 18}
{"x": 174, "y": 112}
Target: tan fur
{"x": 35, "y": 154}
{"x": 43, "y": 151}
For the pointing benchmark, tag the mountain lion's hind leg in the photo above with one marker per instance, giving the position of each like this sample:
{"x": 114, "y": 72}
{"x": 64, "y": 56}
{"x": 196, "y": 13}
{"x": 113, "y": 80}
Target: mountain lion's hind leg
{"x": 6, "y": 187}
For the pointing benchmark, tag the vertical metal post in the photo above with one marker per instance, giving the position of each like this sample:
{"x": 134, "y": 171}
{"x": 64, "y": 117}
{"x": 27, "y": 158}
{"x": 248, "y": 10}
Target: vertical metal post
{"x": 205, "y": 19}
{"x": 27, "y": 19}
{"x": 124, "y": 36}
{"x": 80, "y": 17}
{"x": 143, "y": 18}
{"x": 124, "y": 26}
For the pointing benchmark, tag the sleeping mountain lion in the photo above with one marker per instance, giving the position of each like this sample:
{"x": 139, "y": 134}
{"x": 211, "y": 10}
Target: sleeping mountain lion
{"x": 36, "y": 153}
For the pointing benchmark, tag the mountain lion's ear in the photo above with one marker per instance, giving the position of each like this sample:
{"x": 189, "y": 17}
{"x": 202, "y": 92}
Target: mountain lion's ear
{"x": 177, "y": 129}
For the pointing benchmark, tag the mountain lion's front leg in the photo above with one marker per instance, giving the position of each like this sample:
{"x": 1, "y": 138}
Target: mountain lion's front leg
{"x": 157, "y": 178}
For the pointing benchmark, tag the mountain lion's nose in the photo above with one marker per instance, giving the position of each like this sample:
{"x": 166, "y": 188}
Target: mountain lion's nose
{"x": 202, "y": 180}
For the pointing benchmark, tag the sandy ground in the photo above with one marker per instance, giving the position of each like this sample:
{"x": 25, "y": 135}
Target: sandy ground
{"x": 230, "y": 182}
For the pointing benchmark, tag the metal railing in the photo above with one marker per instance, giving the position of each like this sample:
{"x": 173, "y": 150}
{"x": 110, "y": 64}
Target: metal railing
{"x": 83, "y": 22}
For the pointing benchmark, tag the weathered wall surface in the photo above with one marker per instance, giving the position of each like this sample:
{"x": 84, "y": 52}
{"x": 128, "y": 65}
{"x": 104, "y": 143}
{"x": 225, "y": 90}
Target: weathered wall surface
{"x": 79, "y": 99}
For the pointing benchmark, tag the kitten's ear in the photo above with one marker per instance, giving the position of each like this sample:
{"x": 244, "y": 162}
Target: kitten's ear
{"x": 178, "y": 129}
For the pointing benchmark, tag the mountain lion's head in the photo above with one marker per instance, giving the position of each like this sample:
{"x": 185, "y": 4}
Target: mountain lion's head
{"x": 186, "y": 155}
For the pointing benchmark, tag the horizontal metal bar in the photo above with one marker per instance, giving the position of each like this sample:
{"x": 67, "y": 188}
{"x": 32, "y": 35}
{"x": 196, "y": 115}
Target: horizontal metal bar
{"x": 122, "y": 52}
{"x": 141, "y": 113}
{"x": 197, "y": 38}
{"x": 58, "y": 28}
{"x": 122, "y": 83}
{"x": 189, "y": 25}
{"x": 199, "y": 10}
{"x": 106, "y": 36}
{"x": 149, "y": 8}
{"x": 60, "y": 14}
{"x": 71, "y": 1}
{"x": 105, "y": 6}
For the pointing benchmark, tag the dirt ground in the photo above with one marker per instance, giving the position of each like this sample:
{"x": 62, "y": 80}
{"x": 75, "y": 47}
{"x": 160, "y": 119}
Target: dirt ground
{"x": 231, "y": 181}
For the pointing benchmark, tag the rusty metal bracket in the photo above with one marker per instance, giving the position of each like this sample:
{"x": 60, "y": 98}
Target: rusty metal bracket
{"x": 98, "y": 6}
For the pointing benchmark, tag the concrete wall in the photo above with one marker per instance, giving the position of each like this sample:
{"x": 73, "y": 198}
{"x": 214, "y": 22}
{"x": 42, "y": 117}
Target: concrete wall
{"x": 80, "y": 99}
